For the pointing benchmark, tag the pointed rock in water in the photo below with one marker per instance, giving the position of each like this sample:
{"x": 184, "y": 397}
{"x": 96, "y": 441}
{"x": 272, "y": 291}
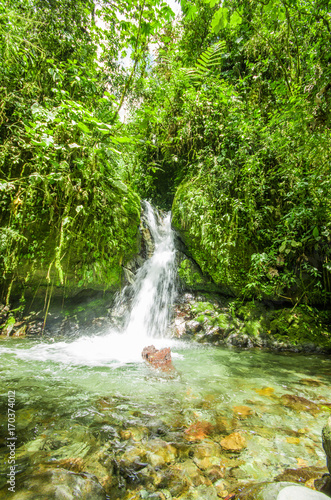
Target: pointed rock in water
{"x": 158, "y": 358}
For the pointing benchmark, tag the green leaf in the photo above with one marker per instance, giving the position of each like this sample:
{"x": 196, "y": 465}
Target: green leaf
{"x": 316, "y": 232}
{"x": 282, "y": 247}
{"x": 83, "y": 127}
{"x": 235, "y": 20}
{"x": 220, "y": 19}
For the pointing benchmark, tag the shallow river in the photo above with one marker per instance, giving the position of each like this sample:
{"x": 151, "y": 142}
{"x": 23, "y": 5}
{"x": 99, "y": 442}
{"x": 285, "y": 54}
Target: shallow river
{"x": 74, "y": 398}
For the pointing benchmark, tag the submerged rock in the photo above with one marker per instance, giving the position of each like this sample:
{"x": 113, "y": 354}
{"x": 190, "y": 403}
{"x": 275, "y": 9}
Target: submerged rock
{"x": 234, "y": 442}
{"x": 59, "y": 483}
{"x": 301, "y": 475}
{"x": 298, "y": 403}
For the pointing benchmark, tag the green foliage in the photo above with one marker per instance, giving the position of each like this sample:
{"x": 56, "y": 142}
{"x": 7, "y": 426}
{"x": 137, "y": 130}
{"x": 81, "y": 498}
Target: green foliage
{"x": 68, "y": 215}
{"x": 243, "y": 148}
{"x": 208, "y": 59}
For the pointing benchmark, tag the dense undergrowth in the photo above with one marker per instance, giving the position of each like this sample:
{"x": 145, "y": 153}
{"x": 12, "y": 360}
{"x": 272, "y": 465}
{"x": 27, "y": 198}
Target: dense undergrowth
{"x": 237, "y": 131}
{"x": 66, "y": 218}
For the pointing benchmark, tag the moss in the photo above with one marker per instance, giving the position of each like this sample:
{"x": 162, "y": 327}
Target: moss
{"x": 200, "y": 307}
{"x": 223, "y": 257}
{"x": 93, "y": 252}
{"x": 222, "y": 321}
{"x": 253, "y": 327}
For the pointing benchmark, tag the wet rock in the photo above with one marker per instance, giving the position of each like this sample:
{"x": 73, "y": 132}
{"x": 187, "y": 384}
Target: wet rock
{"x": 60, "y": 483}
{"x": 20, "y": 332}
{"x": 298, "y": 403}
{"x": 234, "y": 442}
{"x": 207, "y": 454}
{"x": 198, "y": 430}
{"x": 192, "y": 327}
{"x": 134, "y": 433}
{"x": 180, "y": 326}
{"x": 73, "y": 464}
{"x": 242, "y": 412}
{"x": 201, "y": 492}
{"x": 215, "y": 472}
{"x": 158, "y": 358}
{"x": 175, "y": 480}
{"x": 326, "y": 437}
{"x": 301, "y": 475}
{"x": 265, "y": 391}
{"x": 310, "y": 382}
{"x": 224, "y": 425}
{"x": 159, "y": 452}
{"x": 323, "y": 484}
{"x": 192, "y": 471}
{"x": 276, "y": 491}
{"x": 222, "y": 488}
{"x": 134, "y": 456}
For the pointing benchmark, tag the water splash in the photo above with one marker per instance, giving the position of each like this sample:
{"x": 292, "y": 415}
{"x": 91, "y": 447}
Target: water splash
{"x": 146, "y": 322}
{"x": 154, "y": 288}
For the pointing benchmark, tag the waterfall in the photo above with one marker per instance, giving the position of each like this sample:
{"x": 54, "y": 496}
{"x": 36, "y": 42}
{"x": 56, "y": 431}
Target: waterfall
{"x": 146, "y": 313}
{"x": 154, "y": 288}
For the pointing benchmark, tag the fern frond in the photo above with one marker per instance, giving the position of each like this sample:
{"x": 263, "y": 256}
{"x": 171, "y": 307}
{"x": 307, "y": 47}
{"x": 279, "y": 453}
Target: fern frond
{"x": 207, "y": 60}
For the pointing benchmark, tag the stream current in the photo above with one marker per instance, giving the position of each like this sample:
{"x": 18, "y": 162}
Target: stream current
{"x": 90, "y": 404}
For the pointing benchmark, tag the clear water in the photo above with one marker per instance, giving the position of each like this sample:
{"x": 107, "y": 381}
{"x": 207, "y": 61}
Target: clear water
{"x": 75, "y": 397}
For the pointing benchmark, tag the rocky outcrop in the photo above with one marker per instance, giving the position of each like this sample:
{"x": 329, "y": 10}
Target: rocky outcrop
{"x": 212, "y": 318}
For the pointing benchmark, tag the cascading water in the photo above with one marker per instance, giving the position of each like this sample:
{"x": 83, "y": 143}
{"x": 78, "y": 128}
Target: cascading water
{"x": 147, "y": 321}
{"x": 154, "y": 287}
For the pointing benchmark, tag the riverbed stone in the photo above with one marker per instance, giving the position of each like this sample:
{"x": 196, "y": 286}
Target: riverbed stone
{"x": 326, "y": 437}
{"x": 159, "y": 452}
{"x": 201, "y": 492}
{"x": 301, "y": 474}
{"x": 59, "y": 484}
{"x": 234, "y": 442}
{"x": 298, "y": 403}
{"x": 198, "y": 431}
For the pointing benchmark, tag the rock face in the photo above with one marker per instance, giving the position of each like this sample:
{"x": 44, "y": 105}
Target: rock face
{"x": 211, "y": 318}
{"x": 326, "y": 436}
{"x": 158, "y": 358}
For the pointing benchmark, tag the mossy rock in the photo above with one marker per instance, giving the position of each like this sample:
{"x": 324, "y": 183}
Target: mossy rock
{"x": 191, "y": 277}
{"x": 225, "y": 260}
{"x": 299, "y": 326}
